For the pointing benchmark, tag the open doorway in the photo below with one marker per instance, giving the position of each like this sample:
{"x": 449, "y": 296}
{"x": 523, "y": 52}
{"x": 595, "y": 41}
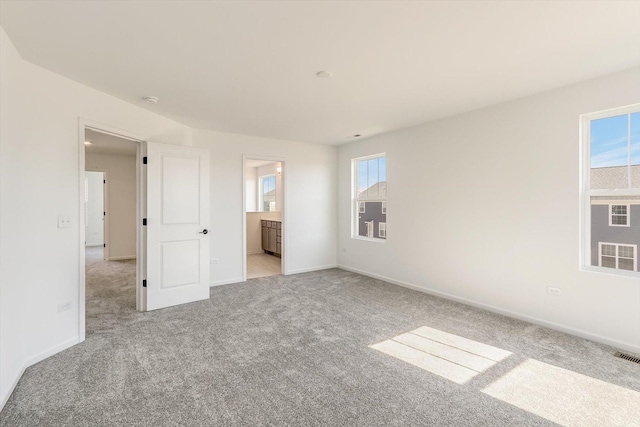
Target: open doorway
{"x": 110, "y": 229}
{"x": 264, "y": 207}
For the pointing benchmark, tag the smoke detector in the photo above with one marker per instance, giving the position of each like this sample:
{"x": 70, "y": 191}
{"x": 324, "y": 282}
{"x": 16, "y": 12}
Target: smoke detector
{"x": 151, "y": 99}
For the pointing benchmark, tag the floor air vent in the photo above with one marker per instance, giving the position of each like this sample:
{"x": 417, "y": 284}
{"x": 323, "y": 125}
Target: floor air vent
{"x": 628, "y": 357}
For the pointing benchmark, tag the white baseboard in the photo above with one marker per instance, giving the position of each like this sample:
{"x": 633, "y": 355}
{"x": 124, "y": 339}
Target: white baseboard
{"x": 121, "y": 258}
{"x": 310, "y": 269}
{"x": 531, "y": 319}
{"x": 14, "y": 383}
{"x": 92, "y": 245}
{"x": 255, "y": 252}
{"x": 225, "y": 282}
{"x": 35, "y": 359}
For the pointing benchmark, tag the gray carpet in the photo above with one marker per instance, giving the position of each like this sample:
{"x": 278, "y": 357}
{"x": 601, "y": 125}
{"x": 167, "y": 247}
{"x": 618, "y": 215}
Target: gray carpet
{"x": 295, "y": 350}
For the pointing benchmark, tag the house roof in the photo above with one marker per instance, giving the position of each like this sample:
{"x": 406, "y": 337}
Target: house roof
{"x": 379, "y": 189}
{"x": 615, "y": 177}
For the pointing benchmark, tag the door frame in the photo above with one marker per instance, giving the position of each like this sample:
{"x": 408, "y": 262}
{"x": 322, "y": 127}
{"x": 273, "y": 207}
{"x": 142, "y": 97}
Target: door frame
{"x": 105, "y": 208}
{"x": 284, "y": 213}
{"x": 83, "y": 124}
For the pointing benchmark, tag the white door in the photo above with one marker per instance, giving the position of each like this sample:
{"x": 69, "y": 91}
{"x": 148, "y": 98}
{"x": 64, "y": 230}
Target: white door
{"x": 369, "y": 228}
{"x": 177, "y": 267}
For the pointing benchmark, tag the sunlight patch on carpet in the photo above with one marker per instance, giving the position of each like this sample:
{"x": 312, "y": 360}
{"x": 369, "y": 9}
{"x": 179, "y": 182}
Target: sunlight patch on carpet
{"x": 447, "y": 355}
{"x": 566, "y": 397}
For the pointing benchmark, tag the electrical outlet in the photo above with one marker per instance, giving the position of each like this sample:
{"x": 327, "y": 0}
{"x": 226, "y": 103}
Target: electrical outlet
{"x": 213, "y": 261}
{"x": 64, "y": 221}
{"x": 554, "y": 291}
{"x": 64, "y": 306}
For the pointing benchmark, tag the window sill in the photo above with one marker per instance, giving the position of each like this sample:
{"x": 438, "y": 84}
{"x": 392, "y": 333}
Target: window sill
{"x": 611, "y": 272}
{"x": 369, "y": 239}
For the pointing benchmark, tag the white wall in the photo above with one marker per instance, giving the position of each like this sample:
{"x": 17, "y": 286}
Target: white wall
{"x": 484, "y": 207}
{"x": 39, "y": 116}
{"x": 251, "y": 191}
{"x": 310, "y": 179}
{"x": 94, "y": 224}
{"x": 121, "y": 202}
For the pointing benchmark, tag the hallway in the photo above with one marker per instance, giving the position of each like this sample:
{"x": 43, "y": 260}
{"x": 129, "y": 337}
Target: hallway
{"x": 110, "y": 291}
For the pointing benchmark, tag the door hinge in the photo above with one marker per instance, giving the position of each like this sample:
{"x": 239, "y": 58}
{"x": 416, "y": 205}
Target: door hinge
{"x": 104, "y": 213}
{"x": 144, "y": 221}
{"x": 144, "y": 160}
{"x": 104, "y": 181}
{"x": 144, "y": 283}
{"x": 104, "y": 245}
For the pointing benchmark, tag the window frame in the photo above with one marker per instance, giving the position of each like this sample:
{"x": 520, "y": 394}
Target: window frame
{"x": 261, "y": 191}
{"x": 355, "y": 201}
{"x": 586, "y": 192}
{"x": 627, "y": 215}
{"x": 617, "y": 256}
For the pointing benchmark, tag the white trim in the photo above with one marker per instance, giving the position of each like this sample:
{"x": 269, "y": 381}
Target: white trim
{"x": 627, "y": 215}
{"x": 623, "y": 345}
{"x": 122, "y": 258}
{"x": 35, "y": 359}
{"x": 84, "y": 124}
{"x": 585, "y": 192}
{"x": 356, "y": 201}
{"x": 311, "y": 269}
{"x": 226, "y": 282}
{"x": 284, "y": 178}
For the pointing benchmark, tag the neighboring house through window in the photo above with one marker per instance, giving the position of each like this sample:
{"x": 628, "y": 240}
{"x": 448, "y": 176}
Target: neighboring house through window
{"x": 370, "y": 197}
{"x": 611, "y": 188}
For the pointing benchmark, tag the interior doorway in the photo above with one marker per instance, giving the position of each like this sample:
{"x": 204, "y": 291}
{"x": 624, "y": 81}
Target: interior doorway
{"x": 264, "y": 232}
{"x": 111, "y": 241}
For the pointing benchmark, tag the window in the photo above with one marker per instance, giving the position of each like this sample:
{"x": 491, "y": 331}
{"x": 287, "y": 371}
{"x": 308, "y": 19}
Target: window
{"x": 611, "y": 188}
{"x": 370, "y": 197}
{"x": 622, "y": 257}
{"x": 382, "y": 230}
{"x": 267, "y": 193}
{"x": 619, "y": 215}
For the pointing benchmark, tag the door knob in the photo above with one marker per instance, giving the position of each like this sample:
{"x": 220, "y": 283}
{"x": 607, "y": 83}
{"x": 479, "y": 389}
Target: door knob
{"x": 205, "y": 231}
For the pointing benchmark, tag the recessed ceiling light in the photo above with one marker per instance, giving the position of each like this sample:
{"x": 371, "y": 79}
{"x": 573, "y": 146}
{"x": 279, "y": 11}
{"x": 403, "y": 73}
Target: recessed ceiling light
{"x": 87, "y": 143}
{"x": 324, "y": 74}
{"x": 151, "y": 99}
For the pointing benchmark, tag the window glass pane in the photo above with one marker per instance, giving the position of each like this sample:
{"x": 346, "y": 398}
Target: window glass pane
{"x": 625, "y": 264}
{"x": 610, "y": 152}
{"x": 635, "y": 150}
{"x": 625, "y": 251}
{"x": 373, "y": 178}
{"x": 608, "y": 262}
{"x": 382, "y": 174}
{"x": 607, "y": 240}
{"x": 362, "y": 177}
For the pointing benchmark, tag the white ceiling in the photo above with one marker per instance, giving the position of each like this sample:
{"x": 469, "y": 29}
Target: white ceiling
{"x": 102, "y": 143}
{"x": 249, "y": 67}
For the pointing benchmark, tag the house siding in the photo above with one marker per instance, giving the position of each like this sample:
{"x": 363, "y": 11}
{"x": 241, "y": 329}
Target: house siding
{"x": 373, "y": 212}
{"x": 601, "y": 231}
